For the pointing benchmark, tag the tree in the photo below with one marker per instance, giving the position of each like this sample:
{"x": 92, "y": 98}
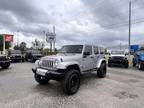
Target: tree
{"x": 142, "y": 48}
{"x": 16, "y": 47}
{"x": 22, "y": 47}
{"x": 36, "y": 44}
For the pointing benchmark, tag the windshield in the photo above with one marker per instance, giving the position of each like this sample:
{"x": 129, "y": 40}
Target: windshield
{"x": 117, "y": 52}
{"x": 36, "y": 52}
{"x": 71, "y": 49}
{"x": 140, "y": 52}
{"x": 15, "y": 52}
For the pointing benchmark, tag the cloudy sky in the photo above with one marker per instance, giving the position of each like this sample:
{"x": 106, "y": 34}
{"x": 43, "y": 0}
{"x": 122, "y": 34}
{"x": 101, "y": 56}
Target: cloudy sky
{"x": 103, "y": 22}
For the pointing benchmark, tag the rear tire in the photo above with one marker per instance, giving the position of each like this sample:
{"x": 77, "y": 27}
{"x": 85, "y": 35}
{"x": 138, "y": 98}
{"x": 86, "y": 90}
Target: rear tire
{"x": 140, "y": 66}
{"x": 134, "y": 64}
{"x": 41, "y": 80}
{"x": 5, "y": 66}
{"x": 109, "y": 64}
{"x": 127, "y": 65}
{"x": 71, "y": 82}
{"x": 101, "y": 73}
{"x": 23, "y": 60}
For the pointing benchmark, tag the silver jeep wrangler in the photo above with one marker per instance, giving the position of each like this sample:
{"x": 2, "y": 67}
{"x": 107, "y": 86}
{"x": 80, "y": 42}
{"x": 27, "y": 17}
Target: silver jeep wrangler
{"x": 69, "y": 64}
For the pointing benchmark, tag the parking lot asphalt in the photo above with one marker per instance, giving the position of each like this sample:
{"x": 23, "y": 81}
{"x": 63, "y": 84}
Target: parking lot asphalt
{"x": 122, "y": 88}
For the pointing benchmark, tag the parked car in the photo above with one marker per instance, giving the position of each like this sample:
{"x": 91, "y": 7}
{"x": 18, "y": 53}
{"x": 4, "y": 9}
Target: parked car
{"x": 118, "y": 58}
{"x": 4, "y": 61}
{"x": 138, "y": 60}
{"x": 69, "y": 64}
{"x": 33, "y": 55}
{"x": 16, "y": 56}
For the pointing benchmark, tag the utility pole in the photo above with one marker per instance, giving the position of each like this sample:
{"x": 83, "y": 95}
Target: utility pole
{"x": 3, "y": 44}
{"x": 129, "y": 27}
{"x": 120, "y": 46}
{"x": 17, "y": 37}
{"x": 54, "y": 37}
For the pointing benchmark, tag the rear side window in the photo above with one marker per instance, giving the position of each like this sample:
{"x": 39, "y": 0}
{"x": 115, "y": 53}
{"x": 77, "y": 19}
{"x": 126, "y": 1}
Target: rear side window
{"x": 96, "y": 50}
{"x": 102, "y": 51}
{"x": 88, "y": 49}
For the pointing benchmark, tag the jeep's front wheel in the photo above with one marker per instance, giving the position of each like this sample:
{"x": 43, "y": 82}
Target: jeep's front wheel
{"x": 5, "y": 66}
{"x": 101, "y": 73}
{"x": 71, "y": 82}
{"x": 40, "y": 79}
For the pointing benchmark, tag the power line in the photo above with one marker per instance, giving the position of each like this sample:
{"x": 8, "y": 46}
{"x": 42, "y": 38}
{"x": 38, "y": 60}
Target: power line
{"x": 124, "y": 23}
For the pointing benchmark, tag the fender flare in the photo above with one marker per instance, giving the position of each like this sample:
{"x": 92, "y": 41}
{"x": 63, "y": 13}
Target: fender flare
{"x": 65, "y": 65}
{"x": 100, "y": 61}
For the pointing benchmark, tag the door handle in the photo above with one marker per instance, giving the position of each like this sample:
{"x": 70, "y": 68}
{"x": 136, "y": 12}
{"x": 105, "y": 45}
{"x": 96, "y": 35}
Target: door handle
{"x": 91, "y": 57}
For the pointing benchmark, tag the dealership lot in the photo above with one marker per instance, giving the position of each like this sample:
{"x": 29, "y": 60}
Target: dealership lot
{"x": 122, "y": 88}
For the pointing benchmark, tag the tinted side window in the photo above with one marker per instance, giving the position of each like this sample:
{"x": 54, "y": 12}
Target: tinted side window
{"x": 102, "y": 51}
{"x": 88, "y": 49}
{"x": 96, "y": 51}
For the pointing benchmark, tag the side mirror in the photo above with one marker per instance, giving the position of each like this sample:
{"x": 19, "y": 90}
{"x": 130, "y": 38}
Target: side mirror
{"x": 86, "y": 54}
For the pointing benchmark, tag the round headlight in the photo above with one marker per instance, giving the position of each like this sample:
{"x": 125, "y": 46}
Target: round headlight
{"x": 37, "y": 63}
{"x": 40, "y": 62}
{"x": 56, "y": 63}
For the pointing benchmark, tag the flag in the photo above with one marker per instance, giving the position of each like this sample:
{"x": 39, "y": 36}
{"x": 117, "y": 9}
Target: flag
{"x": 1, "y": 37}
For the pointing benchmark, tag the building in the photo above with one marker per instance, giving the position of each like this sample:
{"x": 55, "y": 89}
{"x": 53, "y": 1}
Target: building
{"x": 5, "y": 42}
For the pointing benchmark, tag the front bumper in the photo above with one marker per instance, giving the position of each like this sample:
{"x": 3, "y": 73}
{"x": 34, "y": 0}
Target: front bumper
{"x": 50, "y": 74}
{"x": 13, "y": 58}
{"x": 118, "y": 61}
{"x": 4, "y": 62}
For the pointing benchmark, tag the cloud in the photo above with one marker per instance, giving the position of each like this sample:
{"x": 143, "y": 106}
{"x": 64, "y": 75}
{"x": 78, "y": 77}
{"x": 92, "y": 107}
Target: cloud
{"x": 76, "y": 21}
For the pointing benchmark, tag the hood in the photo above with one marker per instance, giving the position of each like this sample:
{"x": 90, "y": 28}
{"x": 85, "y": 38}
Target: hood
{"x": 63, "y": 57}
{"x": 117, "y": 55}
{"x": 15, "y": 54}
{"x": 141, "y": 57}
{"x": 1, "y": 55}
{"x": 37, "y": 54}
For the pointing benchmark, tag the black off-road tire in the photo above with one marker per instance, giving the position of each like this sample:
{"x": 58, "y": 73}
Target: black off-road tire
{"x": 134, "y": 64}
{"x": 5, "y": 66}
{"x": 41, "y": 80}
{"x": 33, "y": 60}
{"x": 109, "y": 64}
{"x": 140, "y": 66}
{"x": 23, "y": 60}
{"x": 126, "y": 65}
{"x": 71, "y": 82}
{"x": 101, "y": 73}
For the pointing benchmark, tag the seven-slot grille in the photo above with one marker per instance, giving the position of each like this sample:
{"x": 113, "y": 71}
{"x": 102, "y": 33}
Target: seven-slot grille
{"x": 2, "y": 58}
{"x": 47, "y": 63}
{"x": 118, "y": 58}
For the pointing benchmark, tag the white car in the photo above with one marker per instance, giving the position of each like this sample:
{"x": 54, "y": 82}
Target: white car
{"x": 69, "y": 64}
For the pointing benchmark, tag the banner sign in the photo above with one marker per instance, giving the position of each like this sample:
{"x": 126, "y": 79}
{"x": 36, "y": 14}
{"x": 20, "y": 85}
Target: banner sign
{"x": 8, "y": 38}
{"x": 50, "y": 37}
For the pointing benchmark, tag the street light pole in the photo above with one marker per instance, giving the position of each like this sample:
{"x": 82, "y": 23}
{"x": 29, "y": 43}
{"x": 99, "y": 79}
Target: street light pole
{"x": 129, "y": 27}
{"x": 3, "y": 44}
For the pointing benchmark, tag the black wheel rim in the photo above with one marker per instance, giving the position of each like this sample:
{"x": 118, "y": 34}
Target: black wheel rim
{"x": 73, "y": 83}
